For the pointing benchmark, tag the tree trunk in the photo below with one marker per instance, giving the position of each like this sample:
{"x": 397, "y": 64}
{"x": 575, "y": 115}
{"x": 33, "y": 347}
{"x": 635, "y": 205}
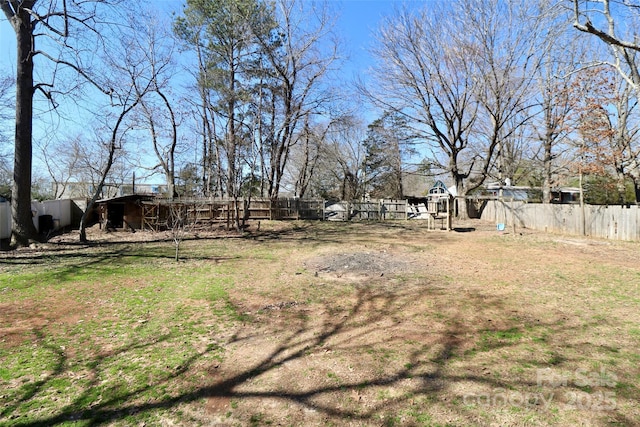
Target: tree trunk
{"x": 171, "y": 162}
{"x": 635, "y": 178}
{"x": 461, "y": 200}
{"x": 105, "y": 172}
{"x": 92, "y": 202}
{"x": 621, "y": 187}
{"x": 547, "y": 158}
{"x": 23, "y": 229}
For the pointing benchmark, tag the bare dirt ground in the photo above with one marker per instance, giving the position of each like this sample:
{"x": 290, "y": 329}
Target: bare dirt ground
{"x": 391, "y": 324}
{"x": 430, "y": 328}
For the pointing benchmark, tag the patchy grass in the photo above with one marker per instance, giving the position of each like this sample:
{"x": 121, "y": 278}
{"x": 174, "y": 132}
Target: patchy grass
{"x": 323, "y": 324}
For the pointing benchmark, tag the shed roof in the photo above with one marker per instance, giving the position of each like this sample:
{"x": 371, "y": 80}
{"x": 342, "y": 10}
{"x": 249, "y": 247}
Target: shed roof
{"x": 127, "y": 198}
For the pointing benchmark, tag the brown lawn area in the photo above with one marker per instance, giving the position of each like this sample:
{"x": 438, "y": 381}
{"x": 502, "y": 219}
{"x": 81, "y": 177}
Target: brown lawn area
{"x": 324, "y": 324}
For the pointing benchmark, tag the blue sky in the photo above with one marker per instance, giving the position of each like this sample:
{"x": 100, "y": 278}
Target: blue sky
{"x": 356, "y": 23}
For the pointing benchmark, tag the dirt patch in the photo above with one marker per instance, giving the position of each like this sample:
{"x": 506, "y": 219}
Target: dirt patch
{"x": 360, "y": 265}
{"x": 26, "y": 321}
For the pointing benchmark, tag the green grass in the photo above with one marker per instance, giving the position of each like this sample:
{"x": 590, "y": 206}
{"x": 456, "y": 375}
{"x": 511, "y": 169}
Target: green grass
{"x": 150, "y": 323}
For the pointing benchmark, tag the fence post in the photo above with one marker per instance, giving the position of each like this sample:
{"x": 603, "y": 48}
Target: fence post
{"x": 513, "y": 216}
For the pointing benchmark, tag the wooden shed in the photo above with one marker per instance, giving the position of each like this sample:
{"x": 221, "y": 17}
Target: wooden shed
{"x": 124, "y": 212}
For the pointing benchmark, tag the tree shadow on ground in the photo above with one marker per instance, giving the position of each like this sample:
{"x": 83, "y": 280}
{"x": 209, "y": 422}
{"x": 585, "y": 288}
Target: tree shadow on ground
{"x": 95, "y": 255}
{"x": 368, "y": 233}
{"x": 369, "y": 323}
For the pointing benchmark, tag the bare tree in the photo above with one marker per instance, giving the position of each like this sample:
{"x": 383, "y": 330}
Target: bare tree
{"x": 62, "y": 161}
{"x": 154, "y": 47}
{"x": 340, "y": 169}
{"x": 606, "y": 115}
{"x": 624, "y": 140}
{"x": 505, "y": 59}
{"x": 225, "y": 32}
{"x": 204, "y": 112}
{"x": 424, "y": 74}
{"x": 18, "y": 14}
{"x": 461, "y": 75}
{"x": 6, "y": 107}
{"x": 299, "y": 54}
{"x": 306, "y": 156}
{"x": 182, "y": 221}
{"x": 60, "y": 22}
{"x": 602, "y": 20}
{"x": 5, "y": 178}
{"x": 560, "y": 52}
{"x": 131, "y": 77}
{"x": 115, "y": 142}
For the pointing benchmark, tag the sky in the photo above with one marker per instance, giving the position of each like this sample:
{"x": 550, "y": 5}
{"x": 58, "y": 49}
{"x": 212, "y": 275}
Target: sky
{"x": 358, "y": 21}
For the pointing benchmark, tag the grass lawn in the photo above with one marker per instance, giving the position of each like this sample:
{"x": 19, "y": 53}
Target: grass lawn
{"x": 318, "y": 323}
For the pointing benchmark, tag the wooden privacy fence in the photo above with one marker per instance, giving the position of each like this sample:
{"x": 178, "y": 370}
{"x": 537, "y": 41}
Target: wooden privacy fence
{"x": 607, "y": 222}
{"x": 156, "y": 213}
{"x": 280, "y": 208}
{"x": 321, "y": 209}
{"x": 366, "y": 211}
